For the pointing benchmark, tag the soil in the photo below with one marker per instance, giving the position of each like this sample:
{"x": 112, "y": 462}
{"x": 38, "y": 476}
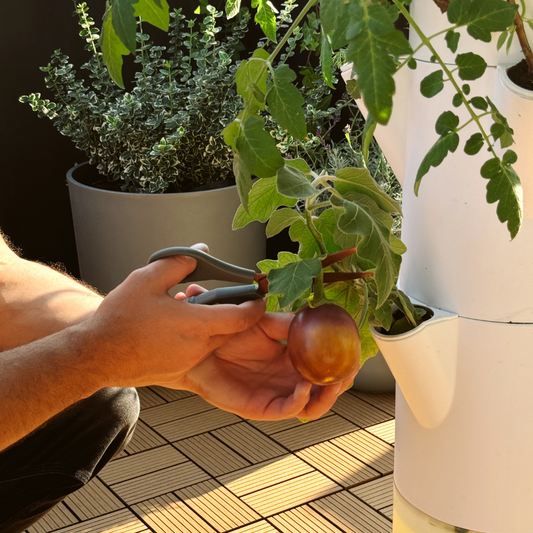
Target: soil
{"x": 520, "y": 75}
{"x": 87, "y": 175}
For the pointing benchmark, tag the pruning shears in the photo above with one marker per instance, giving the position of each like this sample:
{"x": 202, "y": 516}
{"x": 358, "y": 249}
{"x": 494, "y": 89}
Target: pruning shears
{"x": 211, "y": 268}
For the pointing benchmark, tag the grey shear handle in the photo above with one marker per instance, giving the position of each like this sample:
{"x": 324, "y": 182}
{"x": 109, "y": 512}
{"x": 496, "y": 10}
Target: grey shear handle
{"x": 227, "y": 295}
{"x": 208, "y": 267}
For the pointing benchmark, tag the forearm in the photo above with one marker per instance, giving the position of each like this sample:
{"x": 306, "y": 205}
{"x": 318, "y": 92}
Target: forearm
{"x": 40, "y": 379}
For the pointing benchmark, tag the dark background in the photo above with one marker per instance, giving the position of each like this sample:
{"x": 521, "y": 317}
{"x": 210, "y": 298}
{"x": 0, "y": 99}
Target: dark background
{"x": 34, "y": 202}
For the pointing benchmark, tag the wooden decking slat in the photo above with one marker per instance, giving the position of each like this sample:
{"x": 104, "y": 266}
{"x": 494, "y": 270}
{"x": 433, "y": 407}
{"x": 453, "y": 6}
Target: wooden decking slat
{"x": 292, "y": 493}
{"x": 385, "y": 431}
{"x": 168, "y": 514}
{"x": 249, "y": 442}
{"x": 196, "y": 424}
{"x": 263, "y": 475}
{"x": 141, "y": 463}
{"x": 369, "y": 449}
{"x": 211, "y": 454}
{"x": 170, "y": 395}
{"x": 337, "y": 464}
{"x": 378, "y": 494}
{"x": 92, "y": 500}
{"x": 168, "y": 412}
{"x": 303, "y": 520}
{"x": 351, "y": 515}
{"x": 314, "y": 432}
{"x": 144, "y": 438}
{"x": 123, "y": 521}
{"x": 58, "y": 517}
{"x": 148, "y": 398}
{"x": 159, "y": 483}
{"x": 275, "y": 426}
{"x": 359, "y": 412}
{"x": 385, "y": 402}
{"x": 387, "y": 511}
{"x": 257, "y": 527}
{"x": 217, "y": 505}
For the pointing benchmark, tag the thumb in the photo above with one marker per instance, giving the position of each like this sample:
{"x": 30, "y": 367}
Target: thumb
{"x": 163, "y": 274}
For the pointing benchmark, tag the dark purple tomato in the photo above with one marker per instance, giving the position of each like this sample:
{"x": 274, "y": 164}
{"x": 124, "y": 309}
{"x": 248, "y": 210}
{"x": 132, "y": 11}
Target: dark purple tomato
{"x": 324, "y": 344}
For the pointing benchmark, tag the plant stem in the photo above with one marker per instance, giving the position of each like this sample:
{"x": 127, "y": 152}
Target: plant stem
{"x": 522, "y": 38}
{"x": 312, "y": 228}
{"x": 448, "y": 73}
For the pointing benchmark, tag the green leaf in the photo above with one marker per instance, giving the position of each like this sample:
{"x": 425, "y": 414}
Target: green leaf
{"x": 446, "y": 143}
{"x": 112, "y": 50}
{"x": 251, "y": 77}
{"x": 326, "y": 58}
{"x": 264, "y": 199}
{"x": 504, "y": 187}
{"x": 501, "y": 39}
{"x": 230, "y": 134}
{"x": 156, "y": 15}
{"x": 482, "y": 16}
{"x": 502, "y": 131}
{"x": 299, "y": 164}
{"x": 345, "y": 294}
{"x": 232, "y": 8}
{"x": 457, "y": 100}
{"x": 281, "y": 219}
{"x": 243, "y": 177}
{"x": 258, "y": 149}
{"x": 326, "y": 225}
{"x": 479, "y": 103}
{"x": 407, "y": 307}
{"x": 294, "y": 183}
{"x": 471, "y": 66}
{"x": 286, "y": 102}
{"x": 369, "y": 348}
{"x": 432, "y": 84}
{"x": 363, "y": 217}
{"x": 335, "y": 18}
{"x": 360, "y": 181}
{"x": 293, "y": 280}
{"x": 446, "y": 123}
{"x": 353, "y": 89}
{"x": 452, "y": 40}
{"x": 474, "y": 144}
{"x": 124, "y": 23}
{"x": 368, "y": 135}
{"x": 266, "y": 18}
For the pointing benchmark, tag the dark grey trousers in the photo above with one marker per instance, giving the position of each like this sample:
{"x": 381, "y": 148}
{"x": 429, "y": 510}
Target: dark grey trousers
{"x": 63, "y": 455}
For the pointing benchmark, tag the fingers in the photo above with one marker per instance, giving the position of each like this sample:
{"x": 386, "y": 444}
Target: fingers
{"x": 283, "y": 408}
{"x": 276, "y": 325}
{"x": 192, "y": 290}
{"x": 225, "y": 319}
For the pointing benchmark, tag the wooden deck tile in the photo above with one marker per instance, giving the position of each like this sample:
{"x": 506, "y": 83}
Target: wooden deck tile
{"x": 168, "y": 514}
{"x": 171, "y": 395}
{"x": 249, "y": 442}
{"x": 337, "y": 464}
{"x": 369, "y": 449}
{"x": 257, "y": 527}
{"x": 149, "y": 398}
{"x": 265, "y": 474}
{"x": 217, "y": 505}
{"x": 160, "y": 482}
{"x": 175, "y": 410}
{"x": 275, "y": 426}
{"x": 314, "y": 432}
{"x": 297, "y": 491}
{"x": 211, "y": 454}
{"x": 144, "y": 438}
{"x": 359, "y": 412}
{"x": 141, "y": 463}
{"x": 387, "y": 511}
{"x": 58, "y": 517}
{"x": 92, "y": 500}
{"x": 377, "y": 493}
{"x": 385, "y": 431}
{"x": 123, "y": 521}
{"x": 303, "y": 520}
{"x": 196, "y": 424}
{"x": 352, "y": 515}
{"x": 385, "y": 402}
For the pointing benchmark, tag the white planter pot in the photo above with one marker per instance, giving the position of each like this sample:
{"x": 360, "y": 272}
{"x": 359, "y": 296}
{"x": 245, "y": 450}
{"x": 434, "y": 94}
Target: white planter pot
{"x": 116, "y": 232}
{"x": 464, "y": 402}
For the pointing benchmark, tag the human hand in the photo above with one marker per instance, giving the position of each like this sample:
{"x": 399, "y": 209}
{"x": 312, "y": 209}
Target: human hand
{"x": 251, "y": 375}
{"x": 140, "y": 335}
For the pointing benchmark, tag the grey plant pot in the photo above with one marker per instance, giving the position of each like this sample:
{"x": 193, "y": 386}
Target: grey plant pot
{"x": 116, "y": 232}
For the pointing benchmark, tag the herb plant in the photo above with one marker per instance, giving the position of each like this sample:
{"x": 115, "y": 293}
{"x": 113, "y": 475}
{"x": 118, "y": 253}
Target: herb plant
{"x": 164, "y": 134}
